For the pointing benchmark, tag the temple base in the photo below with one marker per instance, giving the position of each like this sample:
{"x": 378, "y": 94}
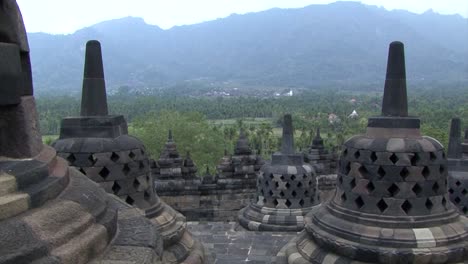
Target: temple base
{"x": 256, "y": 218}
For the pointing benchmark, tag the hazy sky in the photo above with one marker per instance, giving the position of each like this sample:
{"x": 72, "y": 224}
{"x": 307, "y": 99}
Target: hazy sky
{"x": 67, "y": 16}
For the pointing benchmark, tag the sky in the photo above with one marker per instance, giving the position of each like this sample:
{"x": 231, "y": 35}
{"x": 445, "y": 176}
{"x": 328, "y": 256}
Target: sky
{"x": 67, "y": 16}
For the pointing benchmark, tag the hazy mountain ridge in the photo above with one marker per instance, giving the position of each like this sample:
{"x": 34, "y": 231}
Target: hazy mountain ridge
{"x": 344, "y": 44}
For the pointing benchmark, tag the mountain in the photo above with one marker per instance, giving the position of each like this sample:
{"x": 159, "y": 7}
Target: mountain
{"x": 342, "y": 44}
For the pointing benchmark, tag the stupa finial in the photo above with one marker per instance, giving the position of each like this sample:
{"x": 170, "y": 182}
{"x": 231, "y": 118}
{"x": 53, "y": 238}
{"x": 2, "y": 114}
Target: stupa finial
{"x": 395, "y": 102}
{"x": 287, "y": 144}
{"x": 454, "y": 146}
{"x": 94, "y": 98}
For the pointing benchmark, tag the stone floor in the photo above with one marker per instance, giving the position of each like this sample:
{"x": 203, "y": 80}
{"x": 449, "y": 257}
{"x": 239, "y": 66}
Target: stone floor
{"x": 228, "y": 243}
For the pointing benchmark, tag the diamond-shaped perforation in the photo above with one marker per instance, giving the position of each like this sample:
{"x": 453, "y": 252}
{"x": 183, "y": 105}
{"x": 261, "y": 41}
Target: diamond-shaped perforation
{"x": 71, "y": 158}
{"x": 301, "y": 203}
{"x": 357, "y": 154}
{"x": 451, "y": 191}
{"x": 444, "y": 202}
{"x": 146, "y": 196}
{"x": 370, "y": 187}
{"x": 363, "y": 171}
{"x": 347, "y": 168}
{"x": 352, "y": 183}
{"x": 404, "y": 173}
{"x": 373, "y": 157}
{"x": 114, "y": 157}
{"x": 457, "y": 200}
{"x": 442, "y": 169}
{"x": 359, "y": 202}
{"x": 275, "y": 202}
{"x": 381, "y": 172}
{"x": 126, "y": 169}
{"x": 288, "y": 185}
{"x": 271, "y": 176}
{"x": 299, "y": 184}
{"x": 464, "y": 192}
{"x": 129, "y": 200}
{"x": 406, "y": 206}
{"x": 136, "y": 183}
{"x": 393, "y": 158}
{"x": 343, "y": 197}
{"x": 415, "y": 159}
{"x": 429, "y": 204}
{"x": 131, "y": 155}
{"x": 436, "y": 188}
{"x": 458, "y": 183}
{"x": 432, "y": 156}
{"x": 425, "y": 172}
{"x": 288, "y": 203}
{"x": 417, "y": 189}
{"x": 282, "y": 194}
{"x": 393, "y": 189}
{"x": 345, "y": 152}
{"x": 340, "y": 179}
{"x": 104, "y": 172}
{"x": 92, "y": 159}
{"x": 116, "y": 188}
{"x": 382, "y": 205}
{"x": 141, "y": 165}
{"x": 293, "y": 177}
{"x": 294, "y": 193}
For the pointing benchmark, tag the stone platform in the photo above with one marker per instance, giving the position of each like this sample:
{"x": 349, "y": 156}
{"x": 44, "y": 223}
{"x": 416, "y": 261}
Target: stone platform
{"x": 229, "y": 243}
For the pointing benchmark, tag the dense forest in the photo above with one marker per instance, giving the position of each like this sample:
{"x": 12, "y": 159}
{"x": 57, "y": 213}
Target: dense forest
{"x": 206, "y": 126}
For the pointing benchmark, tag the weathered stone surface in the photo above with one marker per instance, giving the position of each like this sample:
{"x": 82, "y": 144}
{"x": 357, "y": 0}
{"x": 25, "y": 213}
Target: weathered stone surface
{"x": 286, "y": 190}
{"x": 391, "y": 203}
{"x": 49, "y": 213}
{"x": 98, "y": 145}
{"x": 458, "y": 167}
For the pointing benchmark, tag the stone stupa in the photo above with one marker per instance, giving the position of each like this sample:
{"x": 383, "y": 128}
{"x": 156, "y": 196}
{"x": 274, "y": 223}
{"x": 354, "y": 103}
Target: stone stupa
{"x": 286, "y": 190}
{"x": 49, "y": 212}
{"x": 243, "y": 164}
{"x": 98, "y": 145}
{"x": 391, "y": 204}
{"x": 457, "y": 156}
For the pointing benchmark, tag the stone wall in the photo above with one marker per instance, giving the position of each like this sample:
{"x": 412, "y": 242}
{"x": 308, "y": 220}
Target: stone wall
{"x": 211, "y": 199}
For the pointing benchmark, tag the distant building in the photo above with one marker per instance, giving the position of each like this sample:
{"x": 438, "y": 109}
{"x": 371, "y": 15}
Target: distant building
{"x": 353, "y": 115}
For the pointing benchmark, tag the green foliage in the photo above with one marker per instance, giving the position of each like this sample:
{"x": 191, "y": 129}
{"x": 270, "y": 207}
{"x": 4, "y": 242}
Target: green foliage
{"x": 191, "y": 132}
{"x": 207, "y": 126}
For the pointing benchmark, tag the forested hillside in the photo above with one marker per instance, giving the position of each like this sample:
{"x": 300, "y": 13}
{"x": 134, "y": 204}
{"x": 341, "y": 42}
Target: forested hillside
{"x": 341, "y": 45}
{"x": 206, "y": 126}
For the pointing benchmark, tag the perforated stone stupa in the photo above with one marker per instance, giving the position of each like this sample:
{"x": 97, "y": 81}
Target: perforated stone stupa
{"x": 391, "y": 204}
{"x": 286, "y": 190}
{"x": 98, "y": 145}
{"x": 49, "y": 212}
{"x": 458, "y": 167}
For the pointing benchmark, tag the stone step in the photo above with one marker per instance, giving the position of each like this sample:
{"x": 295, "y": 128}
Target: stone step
{"x": 13, "y": 204}
{"x": 7, "y": 184}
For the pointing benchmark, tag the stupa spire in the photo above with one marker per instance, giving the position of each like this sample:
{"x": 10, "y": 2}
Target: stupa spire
{"x": 395, "y": 102}
{"x": 287, "y": 143}
{"x": 454, "y": 146}
{"x": 94, "y": 98}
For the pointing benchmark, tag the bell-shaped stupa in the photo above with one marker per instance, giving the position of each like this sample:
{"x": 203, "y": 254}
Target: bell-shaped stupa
{"x": 98, "y": 145}
{"x": 286, "y": 190}
{"x": 391, "y": 203}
